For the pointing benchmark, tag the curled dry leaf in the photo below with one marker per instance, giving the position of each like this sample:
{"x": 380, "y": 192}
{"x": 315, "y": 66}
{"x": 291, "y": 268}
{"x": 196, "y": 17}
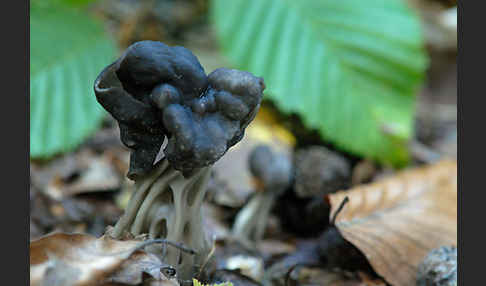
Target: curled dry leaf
{"x": 94, "y": 173}
{"x": 397, "y": 221}
{"x": 80, "y": 259}
{"x": 77, "y": 173}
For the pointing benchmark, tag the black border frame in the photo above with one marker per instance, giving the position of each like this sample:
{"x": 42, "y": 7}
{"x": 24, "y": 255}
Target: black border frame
{"x": 14, "y": 22}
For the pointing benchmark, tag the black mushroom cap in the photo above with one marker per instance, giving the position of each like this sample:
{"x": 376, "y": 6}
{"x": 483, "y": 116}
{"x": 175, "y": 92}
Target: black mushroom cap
{"x": 273, "y": 169}
{"x": 155, "y": 91}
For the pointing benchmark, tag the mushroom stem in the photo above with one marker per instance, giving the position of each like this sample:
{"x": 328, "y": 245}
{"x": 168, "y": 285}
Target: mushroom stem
{"x": 251, "y": 221}
{"x": 141, "y": 187}
{"x": 274, "y": 172}
{"x": 167, "y": 205}
{"x": 159, "y": 186}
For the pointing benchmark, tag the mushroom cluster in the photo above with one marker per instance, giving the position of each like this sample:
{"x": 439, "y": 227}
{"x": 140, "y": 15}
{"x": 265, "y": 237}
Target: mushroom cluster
{"x": 159, "y": 93}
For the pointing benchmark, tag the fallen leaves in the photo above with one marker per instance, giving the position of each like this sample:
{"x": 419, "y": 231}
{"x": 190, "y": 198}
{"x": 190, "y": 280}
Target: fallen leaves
{"x": 91, "y": 173}
{"x": 397, "y": 221}
{"x": 74, "y": 193}
{"x": 79, "y": 259}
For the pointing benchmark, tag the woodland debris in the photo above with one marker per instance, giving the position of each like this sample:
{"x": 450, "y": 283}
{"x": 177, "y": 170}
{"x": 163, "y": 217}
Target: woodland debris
{"x": 336, "y": 252}
{"x": 274, "y": 247}
{"x": 250, "y": 266}
{"x": 78, "y": 173}
{"x": 80, "y": 259}
{"x": 397, "y": 221}
{"x": 225, "y": 250}
{"x": 302, "y": 216}
{"x": 235, "y": 277}
{"x": 310, "y": 275}
{"x": 164, "y": 20}
{"x": 306, "y": 253}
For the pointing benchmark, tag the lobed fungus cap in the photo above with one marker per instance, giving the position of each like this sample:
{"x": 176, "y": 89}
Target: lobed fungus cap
{"x": 155, "y": 92}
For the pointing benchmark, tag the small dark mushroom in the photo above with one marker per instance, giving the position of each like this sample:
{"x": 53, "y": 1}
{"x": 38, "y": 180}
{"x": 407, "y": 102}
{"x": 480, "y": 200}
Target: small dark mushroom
{"x": 319, "y": 171}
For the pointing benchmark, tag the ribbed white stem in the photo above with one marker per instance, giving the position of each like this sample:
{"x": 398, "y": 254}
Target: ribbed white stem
{"x": 167, "y": 205}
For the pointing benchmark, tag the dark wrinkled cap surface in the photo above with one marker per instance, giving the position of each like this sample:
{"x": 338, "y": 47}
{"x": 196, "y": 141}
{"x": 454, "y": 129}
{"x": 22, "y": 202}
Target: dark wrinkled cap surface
{"x": 155, "y": 92}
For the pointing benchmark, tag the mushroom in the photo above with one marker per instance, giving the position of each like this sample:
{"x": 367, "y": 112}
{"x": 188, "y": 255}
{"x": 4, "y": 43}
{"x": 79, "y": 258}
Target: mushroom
{"x": 159, "y": 93}
{"x": 273, "y": 172}
{"x": 320, "y": 171}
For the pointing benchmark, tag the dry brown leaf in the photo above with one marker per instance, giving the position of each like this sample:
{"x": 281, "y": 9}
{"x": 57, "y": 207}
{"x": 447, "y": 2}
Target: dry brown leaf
{"x": 99, "y": 176}
{"x": 95, "y": 173}
{"x": 80, "y": 259}
{"x": 397, "y": 221}
{"x": 82, "y": 172}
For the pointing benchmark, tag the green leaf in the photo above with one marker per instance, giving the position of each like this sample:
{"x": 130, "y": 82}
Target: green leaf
{"x": 67, "y": 51}
{"x": 349, "y": 68}
{"x": 66, "y": 3}
{"x": 76, "y": 3}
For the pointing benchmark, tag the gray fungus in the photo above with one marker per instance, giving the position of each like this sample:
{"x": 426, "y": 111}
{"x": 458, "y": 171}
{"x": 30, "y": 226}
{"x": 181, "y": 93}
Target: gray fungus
{"x": 155, "y": 92}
